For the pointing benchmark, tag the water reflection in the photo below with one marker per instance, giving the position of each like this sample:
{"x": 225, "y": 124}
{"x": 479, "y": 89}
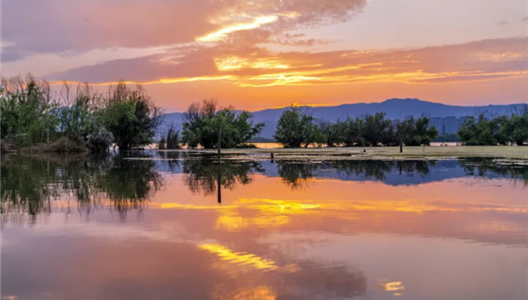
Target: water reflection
{"x": 284, "y": 230}
{"x": 30, "y": 184}
{"x": 34, "y": 184}
{"x": 207, "y": 176}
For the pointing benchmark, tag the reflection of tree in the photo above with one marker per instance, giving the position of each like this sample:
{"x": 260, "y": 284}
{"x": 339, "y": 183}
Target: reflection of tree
{"x": 482, "y": 167}
{"x": 296, "y": 174}
{"x": 203, "y": 174}
{"x": 129, "y": 182}
{"x": 30, "y": 184}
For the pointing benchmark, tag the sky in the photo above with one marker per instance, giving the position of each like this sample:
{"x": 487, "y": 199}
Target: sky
{"x": 256, "y": 54}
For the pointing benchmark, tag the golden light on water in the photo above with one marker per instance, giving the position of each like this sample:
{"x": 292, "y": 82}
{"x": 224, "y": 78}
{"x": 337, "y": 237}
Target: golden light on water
{"x": 394, "y": 287}
{"x": 239, "y": 258}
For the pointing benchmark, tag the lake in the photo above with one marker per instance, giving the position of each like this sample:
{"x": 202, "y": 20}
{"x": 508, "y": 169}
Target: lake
{"x": 150, "y": 225}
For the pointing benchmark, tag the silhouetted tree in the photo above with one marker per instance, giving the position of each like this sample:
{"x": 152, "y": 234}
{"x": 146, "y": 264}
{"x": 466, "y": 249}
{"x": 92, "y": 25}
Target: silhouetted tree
{"x": 295, "y": 128}
{"x": 202, "y": 121}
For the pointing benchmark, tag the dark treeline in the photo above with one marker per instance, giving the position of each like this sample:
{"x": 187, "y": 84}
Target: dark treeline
{"x": 75, "y": 119}
{"x": 297, "y": 128}
{"x": 501, "y": 130}
{"x": 80, "y": 119}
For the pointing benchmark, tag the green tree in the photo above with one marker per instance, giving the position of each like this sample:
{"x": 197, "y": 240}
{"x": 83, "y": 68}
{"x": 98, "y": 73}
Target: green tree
{"x": 329, "y": 133}
{"x": 173, "y": 138}
{"x": 484, "y": 131}
{"x": 131, "y": 116}
{"x": 353, "y": 132}
{"x": 81, "y": 118}
{"x": 404, "y": 129}
{"x": 516, "y": 128}
{"x": 295, "y": 128}
{"x": 378, "y": 130}
{"x": 27, "y": 110}
{"x": 420, "y": 133}
{"x": 203, "y": 121}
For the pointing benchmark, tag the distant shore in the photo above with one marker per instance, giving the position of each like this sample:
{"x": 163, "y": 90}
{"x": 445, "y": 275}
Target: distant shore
{"x": 376, "y": 153}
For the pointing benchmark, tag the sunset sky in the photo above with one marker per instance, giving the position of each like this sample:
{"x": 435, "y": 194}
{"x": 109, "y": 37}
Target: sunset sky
{"x": 257, "y": 54}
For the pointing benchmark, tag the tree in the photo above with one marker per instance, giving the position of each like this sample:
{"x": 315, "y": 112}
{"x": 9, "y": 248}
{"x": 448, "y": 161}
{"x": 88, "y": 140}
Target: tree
{"x": 420, "y": 133}
{"x": 131, "y": 116}
{"x": 27, "y": 110}
{"x": 484, "y": 131}
{"x": 295, "y": 128}
{"x": 353, "y": 132}
{"x": 173, "y": 138}
{"x": 516, "y": 128}
{"x": 81, "y": 118}
{"x": 203, "y": 121}
{"x": 329, "y": 133}
{"x": 404, "y": 129}
{"x": 377, "y": 130}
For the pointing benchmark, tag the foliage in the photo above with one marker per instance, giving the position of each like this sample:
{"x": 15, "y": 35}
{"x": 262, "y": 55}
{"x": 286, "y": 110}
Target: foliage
{"x": 418, "y": 132}
{"x": 377, "y": 130}
{"x": 517, "y": 128}
{"x": 495, "y": 131}
{"x": 131, "y": 116}
{"x": 80, "y": 120}
{"x": 73, "y": 121}
{"x": 204, "y": 176}
{"x": 329, "y": 133}
{"x": 203, "y": 121}
{"x": 27, "y": 110}
{"x": 353, "y": 132}
{"x": 173, "y": 138}
{"x": 295, "y": 128}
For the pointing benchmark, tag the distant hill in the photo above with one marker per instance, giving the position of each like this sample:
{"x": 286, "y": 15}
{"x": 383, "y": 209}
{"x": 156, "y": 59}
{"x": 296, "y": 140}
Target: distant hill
{"x": 394, "y": 108}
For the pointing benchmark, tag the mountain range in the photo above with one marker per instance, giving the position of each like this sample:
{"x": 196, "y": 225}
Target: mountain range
{"x": 394, "y": 109}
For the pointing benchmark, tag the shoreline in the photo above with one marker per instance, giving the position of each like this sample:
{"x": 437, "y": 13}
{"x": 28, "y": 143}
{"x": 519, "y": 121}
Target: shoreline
{"x": 517, "y": 153}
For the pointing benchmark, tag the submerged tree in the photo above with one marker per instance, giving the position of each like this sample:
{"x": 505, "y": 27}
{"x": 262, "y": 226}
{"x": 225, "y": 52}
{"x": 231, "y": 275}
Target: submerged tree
{"x": 202, "y": 123}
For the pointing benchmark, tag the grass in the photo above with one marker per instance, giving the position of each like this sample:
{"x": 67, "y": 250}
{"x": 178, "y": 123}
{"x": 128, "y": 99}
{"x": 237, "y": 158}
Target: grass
{"x": 383, "y": 153}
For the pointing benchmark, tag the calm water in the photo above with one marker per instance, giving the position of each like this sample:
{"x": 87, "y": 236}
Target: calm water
{"x": 172, "y": 227}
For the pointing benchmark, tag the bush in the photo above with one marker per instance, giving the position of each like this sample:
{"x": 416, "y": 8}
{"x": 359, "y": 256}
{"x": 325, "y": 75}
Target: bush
{"x": 67, "y": 145}
{"x": 100, "y": 140}
{"x": 131, "y": 116}
{"x": 28, "y": 111}
{"x": 203, "y": 121}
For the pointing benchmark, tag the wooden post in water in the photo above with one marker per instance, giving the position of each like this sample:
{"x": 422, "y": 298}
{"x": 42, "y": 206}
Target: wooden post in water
{"x": 219, "y": 183}
{"x": 219, "y": 141}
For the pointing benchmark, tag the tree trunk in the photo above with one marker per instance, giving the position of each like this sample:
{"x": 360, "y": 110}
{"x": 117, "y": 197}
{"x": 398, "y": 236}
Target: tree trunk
{"x": 401, "y": 146}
